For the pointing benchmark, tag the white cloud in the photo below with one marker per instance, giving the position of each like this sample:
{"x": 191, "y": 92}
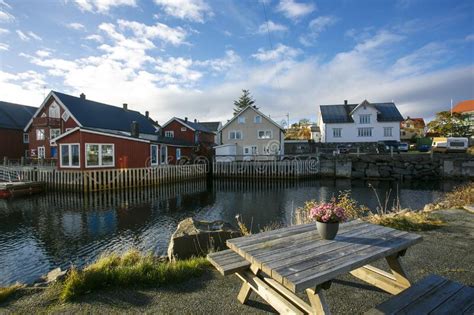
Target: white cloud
{"x": 95, "y": 37}
{"x": 5, "y": 17}
{"x": 191, "y": 10}
{"x": 102, "y": 6}
{"x": 4, "y": 46}
{"x": 76, "y": 26}
{"x": 420, "y": 60}
{"x": 295, "y": 10}
{"x": 281, "y": 52}
{"x": 470, "y": 38}
{"x": 316, "y": 27}
{"x": 43, "y": 53}
{"x": 22, "y": 35}
{"x": 175, "y": 36}
{"x": 221, "y": 64}
{"x": 271, "y": 27}
{"x": 34, "y": 36}
{"x": 4, "y": 31}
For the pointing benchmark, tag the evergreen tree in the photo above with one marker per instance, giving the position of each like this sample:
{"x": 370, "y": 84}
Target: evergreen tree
{"x": 244, "y": 100}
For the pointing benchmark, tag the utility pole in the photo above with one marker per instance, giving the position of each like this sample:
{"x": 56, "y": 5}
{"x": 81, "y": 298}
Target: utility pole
{"x": 451, "y": 107}
{"x": 288, "y": 117}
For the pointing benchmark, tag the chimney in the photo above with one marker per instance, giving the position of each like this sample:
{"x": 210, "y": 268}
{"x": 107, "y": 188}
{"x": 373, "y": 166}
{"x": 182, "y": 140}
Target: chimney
{"x": 147, "y": 114}
{"x": 185, "y": 118}
{"x": 125, "y": 106}
{"x": 134, "y": 129}
{"x": 195, "y": 120}
{"x": 345, "y": 102}
{"x": 82, "y": 96}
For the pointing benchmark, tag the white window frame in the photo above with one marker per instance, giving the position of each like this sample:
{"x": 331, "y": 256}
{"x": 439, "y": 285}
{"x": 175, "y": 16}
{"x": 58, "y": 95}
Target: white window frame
{"x": 65, "y": 116}
{"x": 364, "y": 119}
{"x": 157, "y": 154}
{"x": 70, "y": 155}
{"x": 241, "y": 120}
{"x": 169, "y": 134}
{"x": 42, "y": 132}
{"x": 235, "y": 134}
{"x": 100, "y": 155}
{"x": 264, "y": 134}
{"x": 26, "y": 137}
{"x": 250, "y": 149}
{"x": 337, "y": 132}
{"x": 165, "y": 149}
{"x": 41, "y": 149}
{"x": 57, "y": 111}
{"x": 388, "y": 131}
{"x": 178, "y": 154}
{"x": 51, "y": 133}
{"x": 365, "y": 132}
{"x": 259, "y": 118}
{"x": 183, "y": 129}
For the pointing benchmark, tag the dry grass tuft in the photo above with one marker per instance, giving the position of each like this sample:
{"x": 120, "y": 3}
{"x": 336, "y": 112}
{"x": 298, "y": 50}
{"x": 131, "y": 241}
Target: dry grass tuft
{"x": 406, "y": 220}
{"x": 6, "y": 292}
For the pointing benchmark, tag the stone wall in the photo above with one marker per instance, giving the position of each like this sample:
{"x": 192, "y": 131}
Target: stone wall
{"x": 403, "y": 166}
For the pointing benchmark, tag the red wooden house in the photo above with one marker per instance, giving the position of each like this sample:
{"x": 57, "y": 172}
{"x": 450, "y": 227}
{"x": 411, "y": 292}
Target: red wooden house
{"x": 83, "y": 134}
{"x": 13, "y": 118}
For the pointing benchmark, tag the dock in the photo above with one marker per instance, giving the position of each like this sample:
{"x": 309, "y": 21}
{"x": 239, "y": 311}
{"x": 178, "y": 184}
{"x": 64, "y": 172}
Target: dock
{"x": 17, "y": 189}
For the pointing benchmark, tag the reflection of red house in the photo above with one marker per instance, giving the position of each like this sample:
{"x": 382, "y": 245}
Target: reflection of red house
{"x": 84, "y": 134}
{"x": 13, "y": 118}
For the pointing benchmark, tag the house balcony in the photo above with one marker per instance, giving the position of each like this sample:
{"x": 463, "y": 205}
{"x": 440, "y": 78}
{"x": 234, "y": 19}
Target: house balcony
{"x": 46, "y": 121}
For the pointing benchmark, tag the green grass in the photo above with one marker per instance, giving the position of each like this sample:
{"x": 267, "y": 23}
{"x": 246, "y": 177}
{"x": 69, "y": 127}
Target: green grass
{"x": 5, "y": 293}
{"x": 129, "y": 270}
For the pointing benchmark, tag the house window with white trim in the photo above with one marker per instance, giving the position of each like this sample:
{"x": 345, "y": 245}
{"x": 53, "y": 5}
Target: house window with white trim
{"x": 250, "y": 150}
{"x": 178, "y": 154}
{"x": 364, "y": 119}
{"x": 364, "y": 132}
{"x": 53, "y": 133}
{"x": 54, "y": 111}
{"x": 337, "y": 132}
{"x": 26, "y": 138}
{"x": 387, "y": 131}
{"x": 183, "y": 129}
{"x": 154, "y": 154}
{"x": 41, "y": 153}
{"x": 100, "y": 155}
{"x": 40, "y": 135}
{"x": 70, "y": 156}
{"x": 164, "y": 154}
{"x": 235, "y": 135}
{"x": 241, "y": 120}
{"x": 265, "y": 134}
{"x": 169, "y": 134}
{"x": 258, "y": 119}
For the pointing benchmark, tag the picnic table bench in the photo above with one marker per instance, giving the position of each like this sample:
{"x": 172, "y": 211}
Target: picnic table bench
{"x": 280, "y": 263}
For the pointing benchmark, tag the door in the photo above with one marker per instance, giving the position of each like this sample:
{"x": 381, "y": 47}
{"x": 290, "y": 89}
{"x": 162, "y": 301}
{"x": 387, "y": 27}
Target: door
{"x": 41, "y": 153}
{"x": 178, "y": 154}
{"x": 54, "y": 152}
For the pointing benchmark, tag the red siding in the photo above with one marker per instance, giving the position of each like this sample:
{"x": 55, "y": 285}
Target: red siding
{"x": 34, "y": 144}
{"x": 188, "y": 135}
{"x": 12, "y": 145}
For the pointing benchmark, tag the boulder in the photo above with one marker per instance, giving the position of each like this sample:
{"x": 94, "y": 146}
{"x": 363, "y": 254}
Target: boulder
{"x": 197, "y": 238}
{"x": 372, "y": 172}
{"x": 51, "y": 277}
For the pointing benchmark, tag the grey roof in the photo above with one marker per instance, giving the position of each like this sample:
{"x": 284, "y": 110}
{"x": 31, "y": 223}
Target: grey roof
{"x": 195, "y": 125}
{"x": 341, "y": 113}
{"x": 211, "y": 125}
{"x": 99, "y": 115}
{"x": 15, "y": 116}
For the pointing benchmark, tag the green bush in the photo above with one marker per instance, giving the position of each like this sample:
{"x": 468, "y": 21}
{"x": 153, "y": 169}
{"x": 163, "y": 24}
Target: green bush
{"x": 130, "y": 269}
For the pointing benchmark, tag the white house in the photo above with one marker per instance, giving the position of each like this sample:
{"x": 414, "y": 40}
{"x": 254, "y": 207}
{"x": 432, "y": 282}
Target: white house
{"x": 250, "y": 135}
{"x": 364, "y": 122}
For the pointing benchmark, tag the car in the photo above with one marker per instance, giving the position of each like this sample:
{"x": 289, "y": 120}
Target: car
{"x": 390, "y": 145}
{"x": 403, "y": 147}
{"x": 424, "y": 148}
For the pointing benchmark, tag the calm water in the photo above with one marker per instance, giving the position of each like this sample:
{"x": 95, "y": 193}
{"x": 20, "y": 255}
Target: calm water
{"x": 43, "y": 232}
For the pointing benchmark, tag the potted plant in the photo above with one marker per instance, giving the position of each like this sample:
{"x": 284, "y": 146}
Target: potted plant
{"x": 328, "y": 216}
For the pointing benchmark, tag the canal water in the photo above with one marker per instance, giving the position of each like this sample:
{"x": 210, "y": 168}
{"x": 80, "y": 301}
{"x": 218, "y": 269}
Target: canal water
{"x": 42, "y": 232}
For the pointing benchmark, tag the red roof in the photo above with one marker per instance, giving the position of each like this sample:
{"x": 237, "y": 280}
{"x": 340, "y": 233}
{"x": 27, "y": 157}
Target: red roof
{"x": 464, "y": 106}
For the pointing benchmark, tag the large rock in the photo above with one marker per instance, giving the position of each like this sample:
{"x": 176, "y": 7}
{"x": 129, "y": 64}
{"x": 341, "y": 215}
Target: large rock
{"x": 197, "y": 238}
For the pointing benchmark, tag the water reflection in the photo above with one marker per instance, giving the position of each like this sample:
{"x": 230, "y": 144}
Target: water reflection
{"x": 46, "y": 231}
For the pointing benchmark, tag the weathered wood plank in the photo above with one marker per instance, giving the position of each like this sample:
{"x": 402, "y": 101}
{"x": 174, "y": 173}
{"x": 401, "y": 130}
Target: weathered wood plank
{"x": 461, "y": 303}
{"x": 379, "y": 280}
{"x": 226, "y": 266}
{"x": 310, "y": 277}
{"x": 318, "y": 301}
{"x": 288, "y": 294}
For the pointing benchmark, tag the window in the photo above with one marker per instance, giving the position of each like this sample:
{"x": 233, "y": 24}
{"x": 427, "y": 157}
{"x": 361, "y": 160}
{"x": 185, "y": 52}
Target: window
{"x": 387, "y": 131}
{"x": 235, "y": 135}
{"x": 258, "y": 119}
{"x": 53, "y": 133}
{"x": 154, "y": 154}
{"x": 364, "y": 119}
{"x": 264, "y": 134}
{"x": 164, "y": 155}
{"x": 178, "y": 154}
{"x": 364, "y": 132}
{"x": 183, "y": 129}
{"x": 169, "y": 134}
{"x": 250, "y": 150}
{"x": 40, "y": 134}
{"x": 26, "y": 138}
{"x": 69, "y": 155}
{"x": 41, "y": 152}
{"x": 337, "y": 132}
{"x": 241, "y": 120}
{"x": 65, "y": 116}
{"x": 54, "y": 111}
{"x": 100, "y": 155}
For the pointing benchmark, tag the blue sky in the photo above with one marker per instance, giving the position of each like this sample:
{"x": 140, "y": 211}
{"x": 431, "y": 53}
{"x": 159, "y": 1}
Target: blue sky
{"x": 192, "y": 57}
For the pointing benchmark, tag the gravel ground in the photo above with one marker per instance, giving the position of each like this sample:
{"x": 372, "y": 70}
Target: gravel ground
{"x": 446, "y": 251}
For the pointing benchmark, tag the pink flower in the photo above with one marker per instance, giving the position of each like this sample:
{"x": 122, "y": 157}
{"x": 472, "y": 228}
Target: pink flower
{"x": 328, "y": 212}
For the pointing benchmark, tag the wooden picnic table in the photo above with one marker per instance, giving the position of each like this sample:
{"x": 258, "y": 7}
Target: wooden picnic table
{"x": 286, "y": 261}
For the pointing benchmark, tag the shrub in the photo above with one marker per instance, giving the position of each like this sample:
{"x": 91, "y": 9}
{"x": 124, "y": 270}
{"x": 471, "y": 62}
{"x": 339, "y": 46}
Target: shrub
{"x": 130, "y": 269}
{"x": 460, "y": 196}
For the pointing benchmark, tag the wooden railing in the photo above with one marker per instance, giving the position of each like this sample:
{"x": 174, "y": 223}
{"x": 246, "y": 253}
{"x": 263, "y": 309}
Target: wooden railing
{"x": 116, "y": 179}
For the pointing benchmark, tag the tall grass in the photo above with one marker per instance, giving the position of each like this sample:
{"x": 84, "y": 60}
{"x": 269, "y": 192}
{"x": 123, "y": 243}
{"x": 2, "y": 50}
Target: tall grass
{"x": 6, "y": 292}
{"x": 461, "y": 196}
{"x": 127, "y": 270}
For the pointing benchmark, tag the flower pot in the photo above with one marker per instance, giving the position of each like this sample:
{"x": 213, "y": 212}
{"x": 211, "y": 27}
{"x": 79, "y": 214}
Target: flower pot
{"x": 328, "y": 231}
